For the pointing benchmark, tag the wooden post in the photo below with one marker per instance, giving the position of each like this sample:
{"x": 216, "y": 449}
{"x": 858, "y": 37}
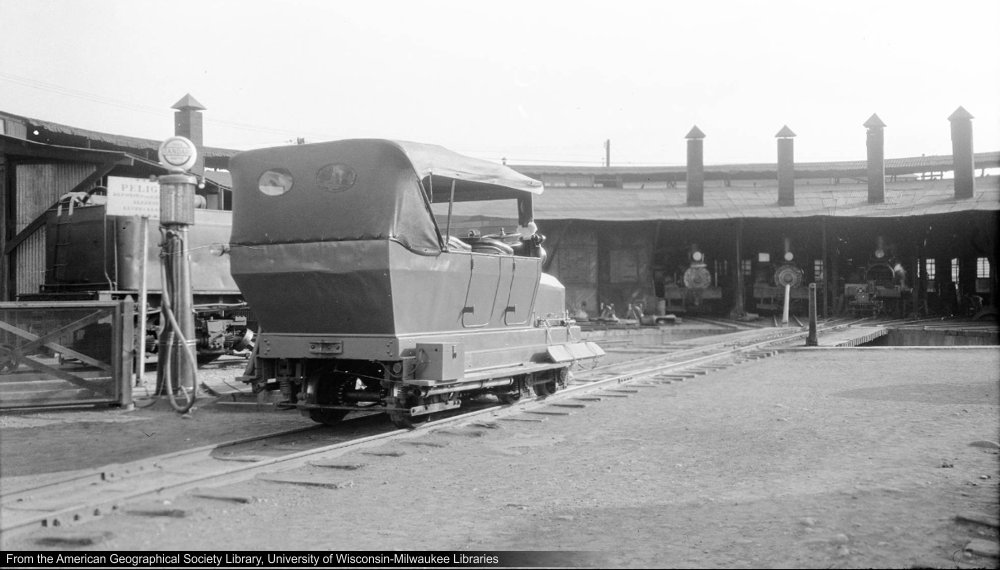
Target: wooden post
{"x": 143, "y": 298}
{"x": 739, "y": 309}
{"x": 811, "y": 340}
{"x": 826, "y": 272}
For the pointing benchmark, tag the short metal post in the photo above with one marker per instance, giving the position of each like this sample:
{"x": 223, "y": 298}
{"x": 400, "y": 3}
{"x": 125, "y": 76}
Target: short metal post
{"x": 811, "y": 340}
{"x": 784, "y": 313}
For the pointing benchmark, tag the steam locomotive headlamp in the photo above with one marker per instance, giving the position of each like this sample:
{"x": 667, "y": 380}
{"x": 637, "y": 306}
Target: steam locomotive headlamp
{"x": 879, "y": 253}
{"x": 789, "y": 256}
{"x": 697, "y": 256}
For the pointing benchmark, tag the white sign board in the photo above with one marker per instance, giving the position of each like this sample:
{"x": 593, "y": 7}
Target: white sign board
{"x": 133, "y": 197}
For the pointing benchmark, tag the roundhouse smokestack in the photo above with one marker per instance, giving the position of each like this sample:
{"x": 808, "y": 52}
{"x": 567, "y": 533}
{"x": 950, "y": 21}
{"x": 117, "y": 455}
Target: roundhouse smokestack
{"x": 188, "y": 124}
{"x": 876, "y": 160}
{"x": 961, "y": 153}
{"x": 695, "y": 167}
{"x": 786, "y": 166}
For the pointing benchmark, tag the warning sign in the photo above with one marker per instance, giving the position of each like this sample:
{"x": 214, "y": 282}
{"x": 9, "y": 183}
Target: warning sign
{"x": 133, "y": 197}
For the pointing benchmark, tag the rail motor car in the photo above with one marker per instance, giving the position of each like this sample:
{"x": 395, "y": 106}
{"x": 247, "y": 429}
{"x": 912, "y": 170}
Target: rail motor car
{"x": 364, "y": 300}
{"x": 90, "y": 255}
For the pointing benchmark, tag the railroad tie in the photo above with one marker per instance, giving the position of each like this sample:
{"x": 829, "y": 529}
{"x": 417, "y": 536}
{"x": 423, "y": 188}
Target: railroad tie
{"x": 535, "y": 420}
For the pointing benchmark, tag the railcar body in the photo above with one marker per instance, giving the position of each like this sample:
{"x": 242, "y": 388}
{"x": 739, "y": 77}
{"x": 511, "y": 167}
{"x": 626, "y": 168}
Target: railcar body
{"x": 93, "y": 256}
{"x": 365, "y": 302}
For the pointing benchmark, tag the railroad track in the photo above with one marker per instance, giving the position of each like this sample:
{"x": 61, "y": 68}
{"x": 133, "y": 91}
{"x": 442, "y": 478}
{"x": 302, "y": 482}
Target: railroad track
{"x": 98, "y": 492}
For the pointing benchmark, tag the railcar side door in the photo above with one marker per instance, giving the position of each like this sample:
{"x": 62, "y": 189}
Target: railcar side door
{"x": 523, "y": 287}
{"x": 484, "y": 281}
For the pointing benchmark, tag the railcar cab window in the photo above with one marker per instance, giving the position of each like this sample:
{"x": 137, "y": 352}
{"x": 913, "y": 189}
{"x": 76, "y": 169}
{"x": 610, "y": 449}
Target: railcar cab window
{"x": 487, "y": 226}
{"x": 275, "y": 182}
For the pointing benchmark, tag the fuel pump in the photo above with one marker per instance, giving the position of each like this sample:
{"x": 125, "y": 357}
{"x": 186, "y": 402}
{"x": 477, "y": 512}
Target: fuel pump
{"x": 177, "y": 369}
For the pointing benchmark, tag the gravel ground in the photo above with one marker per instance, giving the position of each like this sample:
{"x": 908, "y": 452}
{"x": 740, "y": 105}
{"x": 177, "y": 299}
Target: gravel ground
{"x": 818, "y": 459}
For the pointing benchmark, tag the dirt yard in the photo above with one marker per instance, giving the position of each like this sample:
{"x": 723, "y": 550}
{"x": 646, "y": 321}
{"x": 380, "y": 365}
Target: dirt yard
{"x": 848, "y": 459}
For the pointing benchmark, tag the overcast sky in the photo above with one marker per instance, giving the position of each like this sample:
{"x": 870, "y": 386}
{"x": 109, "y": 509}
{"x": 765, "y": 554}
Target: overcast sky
{"x": 534, "y": 81}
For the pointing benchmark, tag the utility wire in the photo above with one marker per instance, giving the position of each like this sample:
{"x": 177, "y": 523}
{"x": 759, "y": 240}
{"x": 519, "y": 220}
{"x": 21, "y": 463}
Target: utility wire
{"x": 93, "y": 97}
{"x": 149, "y": 109}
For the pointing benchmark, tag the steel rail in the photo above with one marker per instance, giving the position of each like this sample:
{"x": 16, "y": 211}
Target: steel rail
{"x": 109, "y": 480}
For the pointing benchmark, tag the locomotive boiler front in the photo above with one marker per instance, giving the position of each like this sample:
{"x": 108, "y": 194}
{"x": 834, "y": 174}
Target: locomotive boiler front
{"x": 788, "y": 274}
{"x": 695, "y": 290}
{"x": 771, "y": 285}
{"x": 697, "y": 275}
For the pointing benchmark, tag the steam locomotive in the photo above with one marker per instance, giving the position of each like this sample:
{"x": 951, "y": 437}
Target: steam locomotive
{"x": 773, "y": 279}
{"x": 692, "y": 288}
{"x": 884, "y": 289}
{"x": 93, "y": 256}
{"x": 365, "y": 301}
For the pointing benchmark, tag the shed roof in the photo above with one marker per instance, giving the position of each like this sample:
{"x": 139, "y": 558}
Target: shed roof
{"x": 58, "y": 134}
{"x": 911, "y": 198}
{"x": 757, "y": 171}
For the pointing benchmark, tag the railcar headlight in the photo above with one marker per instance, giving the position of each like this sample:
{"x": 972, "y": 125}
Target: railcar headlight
{"x": 789, "y": 256}
{"x": 275, "y": 182}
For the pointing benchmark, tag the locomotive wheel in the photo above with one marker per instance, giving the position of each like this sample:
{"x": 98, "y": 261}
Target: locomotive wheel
{"x": 327, "y": 417}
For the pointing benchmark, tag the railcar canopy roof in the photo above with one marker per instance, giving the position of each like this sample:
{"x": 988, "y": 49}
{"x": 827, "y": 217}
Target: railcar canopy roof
{"x": 362, "y": 189}
{"x": 475, "y": 179}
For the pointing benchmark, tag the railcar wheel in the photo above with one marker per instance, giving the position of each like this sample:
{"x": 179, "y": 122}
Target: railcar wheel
{"x": 508, "y": 398}
{"x": 557, "y": 379}
{"x": 206, "y": 358}
{"x": 327, "y": 417}
{"x": 403, "y": 419}
{"x": 545, "y": 389}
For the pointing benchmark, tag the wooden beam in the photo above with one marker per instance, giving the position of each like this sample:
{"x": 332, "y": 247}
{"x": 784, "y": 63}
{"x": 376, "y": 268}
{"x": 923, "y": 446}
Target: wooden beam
{"x": 20, "y": 148}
